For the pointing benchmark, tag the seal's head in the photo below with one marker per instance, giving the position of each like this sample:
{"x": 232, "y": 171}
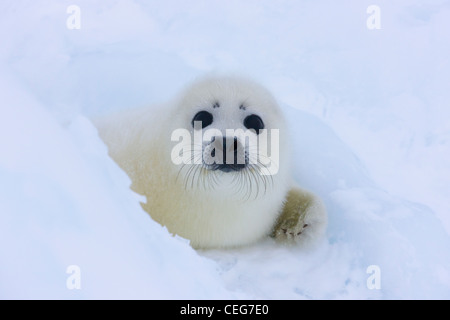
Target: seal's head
{"x": 233, "y": 137}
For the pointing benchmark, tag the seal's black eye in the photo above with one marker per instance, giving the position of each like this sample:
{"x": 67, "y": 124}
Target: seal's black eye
{"x": 254, "y": 122}
{"x": 205, "y": 117}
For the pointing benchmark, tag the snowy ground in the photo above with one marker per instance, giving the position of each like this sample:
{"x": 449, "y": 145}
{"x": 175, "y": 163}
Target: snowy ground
{"x": 370, "y": 122}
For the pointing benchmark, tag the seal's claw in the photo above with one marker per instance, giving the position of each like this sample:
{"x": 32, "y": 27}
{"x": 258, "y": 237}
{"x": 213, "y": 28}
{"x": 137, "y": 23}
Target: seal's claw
{"x": 303, "y": 219}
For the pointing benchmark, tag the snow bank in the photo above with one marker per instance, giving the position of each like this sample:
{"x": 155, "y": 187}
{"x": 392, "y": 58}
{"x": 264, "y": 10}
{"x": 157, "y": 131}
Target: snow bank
{"x": 64, "y": 202}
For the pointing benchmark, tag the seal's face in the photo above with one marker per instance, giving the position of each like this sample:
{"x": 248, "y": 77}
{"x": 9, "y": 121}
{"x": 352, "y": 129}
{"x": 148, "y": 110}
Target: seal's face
{"x": 233, "y": 124}
{"x": 229, "y": 152}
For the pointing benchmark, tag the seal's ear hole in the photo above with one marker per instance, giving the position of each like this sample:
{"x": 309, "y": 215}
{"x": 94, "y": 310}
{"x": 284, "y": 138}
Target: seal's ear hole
{"x": 254, "y": 122}
{"x": 205, "y": 117}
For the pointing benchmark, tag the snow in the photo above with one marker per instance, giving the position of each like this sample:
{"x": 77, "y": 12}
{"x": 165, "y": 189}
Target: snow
{"x": 368, "y": 111}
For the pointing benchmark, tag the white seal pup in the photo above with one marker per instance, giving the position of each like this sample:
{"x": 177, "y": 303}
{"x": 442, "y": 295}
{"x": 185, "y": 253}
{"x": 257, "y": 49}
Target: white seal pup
{"x": 214, "y": 165}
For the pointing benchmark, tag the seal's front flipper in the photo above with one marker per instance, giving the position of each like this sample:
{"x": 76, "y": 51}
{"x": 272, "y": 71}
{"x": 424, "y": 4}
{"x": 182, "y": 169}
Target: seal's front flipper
{"x": 303, "y": 219}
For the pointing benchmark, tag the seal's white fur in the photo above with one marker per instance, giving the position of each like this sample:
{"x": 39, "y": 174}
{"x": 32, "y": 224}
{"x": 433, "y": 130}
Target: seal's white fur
{"x": 140, "y": 142}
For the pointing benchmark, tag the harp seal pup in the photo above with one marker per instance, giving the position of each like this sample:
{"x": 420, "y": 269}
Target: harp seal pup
{"x": 223, "y": 189}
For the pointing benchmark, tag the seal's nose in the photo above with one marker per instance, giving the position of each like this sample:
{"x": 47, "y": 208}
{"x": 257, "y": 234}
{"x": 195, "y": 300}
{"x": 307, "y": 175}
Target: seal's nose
{"x": 229, "y": 149}
{"x": 228, "y": 153}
